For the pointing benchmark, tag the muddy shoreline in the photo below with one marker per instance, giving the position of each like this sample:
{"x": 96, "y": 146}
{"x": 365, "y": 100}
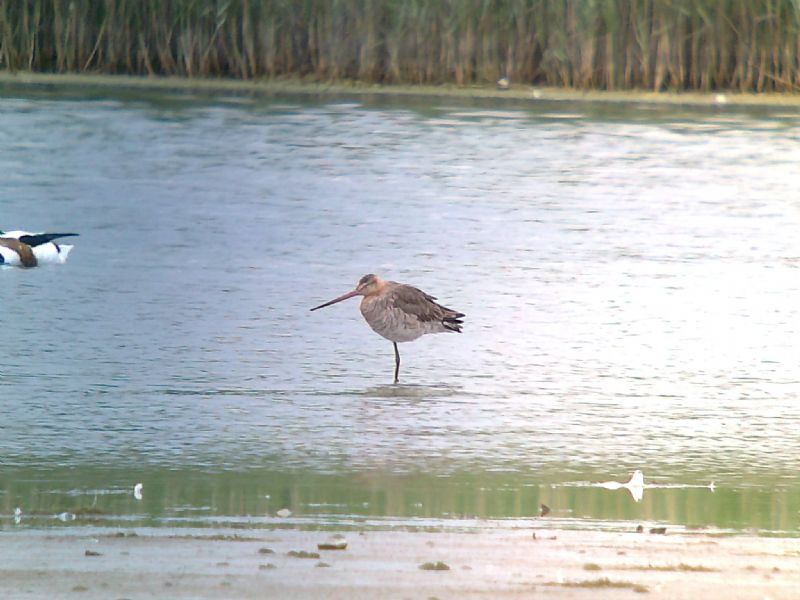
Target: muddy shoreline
{"x": 298, "y": 86}
{"x": 287, "y": 563}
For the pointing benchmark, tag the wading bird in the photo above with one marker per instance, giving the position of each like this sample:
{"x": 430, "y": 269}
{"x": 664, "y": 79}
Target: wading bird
{"x": 23, "y": 249}
{"x": 400, "y": 313}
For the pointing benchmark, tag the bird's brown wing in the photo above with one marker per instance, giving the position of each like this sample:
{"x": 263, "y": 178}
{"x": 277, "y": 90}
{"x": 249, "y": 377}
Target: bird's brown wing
{"x": 423, "y": 306}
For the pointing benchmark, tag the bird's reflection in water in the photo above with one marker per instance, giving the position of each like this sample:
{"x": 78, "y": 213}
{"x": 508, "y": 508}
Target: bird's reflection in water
{"x": 408, "y": 391}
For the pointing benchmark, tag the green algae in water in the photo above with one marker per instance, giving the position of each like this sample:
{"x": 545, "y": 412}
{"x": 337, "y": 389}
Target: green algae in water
{"x": 683, "y": 567}
{"x": 437, "y": 566}
{"x": 302, "y": 554}
{"x": 88, "y": 511}
{"x": 604, "y": 583}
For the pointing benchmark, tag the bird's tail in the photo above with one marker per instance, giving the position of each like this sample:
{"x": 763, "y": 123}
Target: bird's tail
{"x": 37, "y": 239}
{"x": 453, "y": 321}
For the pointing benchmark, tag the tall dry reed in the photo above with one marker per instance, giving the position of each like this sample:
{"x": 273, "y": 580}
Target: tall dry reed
{"x": 749, "y": 45}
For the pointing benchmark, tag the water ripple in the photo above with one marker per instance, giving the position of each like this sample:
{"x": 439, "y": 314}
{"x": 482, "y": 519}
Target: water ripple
{"x": 629, "y": 280}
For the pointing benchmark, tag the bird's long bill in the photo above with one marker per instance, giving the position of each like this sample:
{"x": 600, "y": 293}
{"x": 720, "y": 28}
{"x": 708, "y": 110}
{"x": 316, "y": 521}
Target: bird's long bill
{"x": 339, "y": 299}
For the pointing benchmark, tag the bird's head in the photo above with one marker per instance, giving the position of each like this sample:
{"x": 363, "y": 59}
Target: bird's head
{"x": 367, "y": 285}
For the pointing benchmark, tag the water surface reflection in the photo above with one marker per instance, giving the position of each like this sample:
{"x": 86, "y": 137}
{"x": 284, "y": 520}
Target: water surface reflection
{"x": 629, "y": 276}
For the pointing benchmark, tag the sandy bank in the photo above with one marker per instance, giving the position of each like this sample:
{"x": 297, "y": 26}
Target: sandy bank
{"x": 386, "y": 564}
{"x": 298, "y": 86}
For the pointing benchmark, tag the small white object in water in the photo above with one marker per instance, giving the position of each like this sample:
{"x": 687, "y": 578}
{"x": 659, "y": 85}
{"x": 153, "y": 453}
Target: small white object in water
{"x": 637, "y": 479}
{"x": 283, "y": 513}
{"x": 537, "y": 94}
{"x": 65, "y": 516}
{"x": 137, "y": 491}
{"x": 721, "y": 99}
{"x": 17, "y": 515}
{"x": 635, "y": 486}
{"x": 711, "y": 486}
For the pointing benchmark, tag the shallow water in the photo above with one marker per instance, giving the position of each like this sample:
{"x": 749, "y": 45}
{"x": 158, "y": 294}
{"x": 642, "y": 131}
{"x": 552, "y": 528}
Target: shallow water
{"x": 629, "y": 274}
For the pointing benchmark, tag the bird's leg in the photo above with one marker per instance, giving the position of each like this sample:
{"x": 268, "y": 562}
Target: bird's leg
{"x": 396, "y": 363}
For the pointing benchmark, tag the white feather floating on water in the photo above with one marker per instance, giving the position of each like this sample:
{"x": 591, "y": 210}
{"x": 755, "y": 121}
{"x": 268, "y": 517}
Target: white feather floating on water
{"x": 635, "y": 485}
{"x": 137, "y": 491}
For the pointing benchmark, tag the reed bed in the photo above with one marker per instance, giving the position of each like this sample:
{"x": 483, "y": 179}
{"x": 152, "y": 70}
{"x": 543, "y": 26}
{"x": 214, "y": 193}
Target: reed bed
{"x": 703, "y": 45}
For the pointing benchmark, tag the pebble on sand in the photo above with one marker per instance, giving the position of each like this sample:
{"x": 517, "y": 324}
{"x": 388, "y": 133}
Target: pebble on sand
{"x": 335, "y": 542}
